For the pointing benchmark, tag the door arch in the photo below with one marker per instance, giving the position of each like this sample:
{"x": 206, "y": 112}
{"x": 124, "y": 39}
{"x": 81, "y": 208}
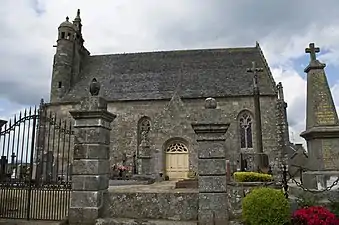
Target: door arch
{"x": 177, "y": 162}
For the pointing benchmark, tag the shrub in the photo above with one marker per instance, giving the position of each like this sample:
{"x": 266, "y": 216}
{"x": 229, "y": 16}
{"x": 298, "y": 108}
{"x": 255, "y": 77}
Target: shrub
{"x": 334, "y": 207}
{"x": 306, "y": 200}
{"x": 265, "y": 206}
{"x": 252, "y": 177}
{"x": 315, "y": 215}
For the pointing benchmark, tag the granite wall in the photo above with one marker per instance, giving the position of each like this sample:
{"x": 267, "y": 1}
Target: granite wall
{"x": 164, "y": 205}
{"x": 173, "y": 120}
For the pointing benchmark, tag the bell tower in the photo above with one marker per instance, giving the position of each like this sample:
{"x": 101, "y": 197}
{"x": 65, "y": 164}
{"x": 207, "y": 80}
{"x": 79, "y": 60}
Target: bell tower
{"x": 63, "y": 61}
{"x": 70, "y": 53}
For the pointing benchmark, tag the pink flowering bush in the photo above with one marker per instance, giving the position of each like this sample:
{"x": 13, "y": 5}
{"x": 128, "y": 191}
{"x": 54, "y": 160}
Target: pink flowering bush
{"x": 314, "y": 215}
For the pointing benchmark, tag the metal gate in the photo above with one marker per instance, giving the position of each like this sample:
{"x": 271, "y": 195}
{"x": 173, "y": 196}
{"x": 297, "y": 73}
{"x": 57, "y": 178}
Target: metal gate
{"x": 35, "y": 166}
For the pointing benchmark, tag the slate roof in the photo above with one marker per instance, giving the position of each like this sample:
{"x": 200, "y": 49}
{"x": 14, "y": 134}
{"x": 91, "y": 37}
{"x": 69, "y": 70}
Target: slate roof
{"x": 155, "y": 75}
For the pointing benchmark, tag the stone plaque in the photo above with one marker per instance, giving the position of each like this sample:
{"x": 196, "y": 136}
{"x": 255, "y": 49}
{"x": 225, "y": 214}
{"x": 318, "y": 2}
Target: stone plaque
{"x": 324, "y": 112}
{"x": 330, "y": 154}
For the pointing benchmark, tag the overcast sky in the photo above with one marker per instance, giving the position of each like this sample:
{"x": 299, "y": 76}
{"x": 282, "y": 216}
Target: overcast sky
{"x": 28, "y": 30}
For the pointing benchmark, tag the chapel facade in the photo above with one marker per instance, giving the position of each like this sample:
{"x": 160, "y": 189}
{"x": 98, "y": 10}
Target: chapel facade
{"x": 157, "y": 95}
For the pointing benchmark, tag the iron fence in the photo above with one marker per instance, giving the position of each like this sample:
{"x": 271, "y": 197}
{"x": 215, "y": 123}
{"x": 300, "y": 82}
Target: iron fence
{"x": 35, "y": 166}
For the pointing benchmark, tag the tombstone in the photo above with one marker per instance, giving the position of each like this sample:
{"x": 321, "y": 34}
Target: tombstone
{"x": 3, "y": 167}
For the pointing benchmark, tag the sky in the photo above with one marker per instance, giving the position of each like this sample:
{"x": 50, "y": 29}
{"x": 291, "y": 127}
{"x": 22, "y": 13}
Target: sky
{"x": 283, "y": 28}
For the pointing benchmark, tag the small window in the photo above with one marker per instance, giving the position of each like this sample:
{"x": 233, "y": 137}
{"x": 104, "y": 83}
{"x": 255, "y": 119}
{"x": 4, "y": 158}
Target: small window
{"x": 62, "y": 35}
{"x": 68, "y": 36}
{"x": 59, "y": 84}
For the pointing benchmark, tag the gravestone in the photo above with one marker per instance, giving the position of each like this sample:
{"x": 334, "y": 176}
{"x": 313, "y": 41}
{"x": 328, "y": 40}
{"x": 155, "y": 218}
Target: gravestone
{"x": 210, "y": 135}
{"x": 322, "y": 124}
{"x": 90, "y": 169}
{"x": 3, "y": 167}
{"x": 44, "y": 168}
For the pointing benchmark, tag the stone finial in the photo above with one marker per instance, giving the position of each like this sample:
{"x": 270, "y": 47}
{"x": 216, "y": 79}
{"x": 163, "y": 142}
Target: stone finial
{"x": 94, "y": 87}
{"x": 67, "y": 18}
{"x": 210, "y": 103}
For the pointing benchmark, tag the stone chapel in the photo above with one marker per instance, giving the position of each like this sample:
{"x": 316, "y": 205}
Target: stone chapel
{"x": 157, "y": 95}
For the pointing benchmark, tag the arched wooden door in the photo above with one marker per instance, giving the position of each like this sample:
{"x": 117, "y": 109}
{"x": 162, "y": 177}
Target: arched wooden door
{"x": 177, "y": 163}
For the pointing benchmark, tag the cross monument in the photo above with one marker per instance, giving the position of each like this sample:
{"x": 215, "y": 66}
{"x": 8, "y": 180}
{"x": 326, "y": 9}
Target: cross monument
{"x": 312, "y": 50}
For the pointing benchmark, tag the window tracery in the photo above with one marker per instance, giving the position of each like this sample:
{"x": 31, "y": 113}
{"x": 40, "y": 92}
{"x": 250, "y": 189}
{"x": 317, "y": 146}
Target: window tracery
{"x": 246, "y": 128}
{"x": 177, "y": 147}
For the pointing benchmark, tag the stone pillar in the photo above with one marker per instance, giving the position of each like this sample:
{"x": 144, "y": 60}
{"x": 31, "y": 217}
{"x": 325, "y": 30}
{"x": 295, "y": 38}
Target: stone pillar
{"x": 145, "y": 157}
{"x": 90, "y": 172}
{"x": 210, "y": 131}
{"x": 322, "y": 123}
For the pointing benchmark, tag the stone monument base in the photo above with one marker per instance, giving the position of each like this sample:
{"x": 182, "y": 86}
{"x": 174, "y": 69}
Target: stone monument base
{"x": 319, "y": 180}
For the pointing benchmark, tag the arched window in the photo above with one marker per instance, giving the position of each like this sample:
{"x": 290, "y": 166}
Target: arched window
{"x": 177, "y": 147}
{"x": 144, "y": 127}
{"x": 246, "y": 129}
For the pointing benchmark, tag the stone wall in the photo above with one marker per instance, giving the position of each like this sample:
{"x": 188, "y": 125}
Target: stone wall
{"x": 164, "y": 205}
{"x": 177, "y": 125}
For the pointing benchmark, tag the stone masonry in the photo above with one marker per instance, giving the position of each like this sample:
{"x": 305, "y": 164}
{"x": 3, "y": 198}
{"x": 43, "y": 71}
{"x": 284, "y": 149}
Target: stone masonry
{"x": 322, "y": 124}
{"x": 139, "y": 85}
{"x": 210, "y": 131}
{"x": 91, "y": 160}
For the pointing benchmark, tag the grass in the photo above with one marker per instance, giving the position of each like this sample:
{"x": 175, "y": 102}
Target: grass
{"x": 45, "y": 204}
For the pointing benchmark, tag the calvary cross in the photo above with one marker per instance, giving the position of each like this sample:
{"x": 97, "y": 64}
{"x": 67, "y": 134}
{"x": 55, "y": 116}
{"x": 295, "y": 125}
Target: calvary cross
{"x": 254, "y": 70}
{"x": 312, "y": 50}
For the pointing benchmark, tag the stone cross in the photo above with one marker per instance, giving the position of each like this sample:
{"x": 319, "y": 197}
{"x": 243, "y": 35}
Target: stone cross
{"x": 257, "y": 111}
{"x": 312, "y": 50}
{"x": 255, "y": 71}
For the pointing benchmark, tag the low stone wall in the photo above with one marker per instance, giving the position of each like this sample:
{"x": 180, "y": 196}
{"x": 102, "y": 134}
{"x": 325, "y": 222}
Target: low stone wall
{"x": 236, "y": 191}
{"x": 170, "y": 205}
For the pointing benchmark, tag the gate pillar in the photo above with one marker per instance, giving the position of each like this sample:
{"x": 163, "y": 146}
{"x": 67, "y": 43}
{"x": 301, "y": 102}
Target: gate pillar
{"x": 210, "y": 132}
{"x": 90, "y": 172}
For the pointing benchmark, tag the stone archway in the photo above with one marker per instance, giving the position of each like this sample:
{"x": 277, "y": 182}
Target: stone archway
{"x": 177, "y": 160}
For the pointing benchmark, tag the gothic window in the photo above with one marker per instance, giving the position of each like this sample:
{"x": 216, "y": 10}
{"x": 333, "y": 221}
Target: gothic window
{"x": 245, "y": 128}
{"x": 144, "y": 127}
{"x": 177, "y": 147}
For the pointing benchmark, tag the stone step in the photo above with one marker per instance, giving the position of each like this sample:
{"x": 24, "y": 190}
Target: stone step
{"x": 188, "y": 183}
{"x": 124, "y": 221}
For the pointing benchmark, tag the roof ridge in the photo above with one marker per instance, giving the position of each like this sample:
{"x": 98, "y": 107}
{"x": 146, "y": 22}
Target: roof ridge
{"x": 180, "y": 51}
{"x": 257, "y": 46}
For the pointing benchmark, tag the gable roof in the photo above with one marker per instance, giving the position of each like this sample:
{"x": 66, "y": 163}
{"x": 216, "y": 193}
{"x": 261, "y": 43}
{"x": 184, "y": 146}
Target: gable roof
{"x": 155, "y": 75}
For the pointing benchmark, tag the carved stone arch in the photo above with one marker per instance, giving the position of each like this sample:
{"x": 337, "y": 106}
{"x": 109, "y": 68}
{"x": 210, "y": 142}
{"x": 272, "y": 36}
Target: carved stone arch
{"x": 174, "y": 140}
{"x": 245, "y": 124}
